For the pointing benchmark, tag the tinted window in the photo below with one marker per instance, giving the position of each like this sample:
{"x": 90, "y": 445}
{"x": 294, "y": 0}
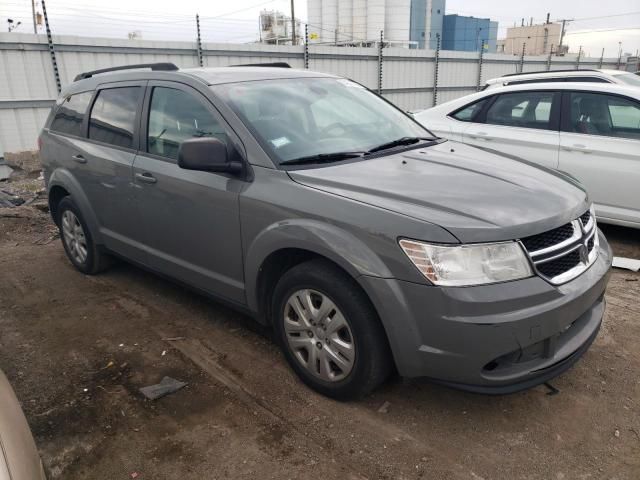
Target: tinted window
{"x": 468, "y": 113}
{"x": 176, "y": 116}
{"x": 587, "y": 79}
{"x": 113, "y": 116}
{"x": 629, "y": 79}
{"x": 522, "y": 109}
{"x": 70, "y": 114}
{"x": 536, "y": 80}
{"x": 601, "y": 114}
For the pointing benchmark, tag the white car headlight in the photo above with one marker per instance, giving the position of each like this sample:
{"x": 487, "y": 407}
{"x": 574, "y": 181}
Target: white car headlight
{"x": 464, "y": 265}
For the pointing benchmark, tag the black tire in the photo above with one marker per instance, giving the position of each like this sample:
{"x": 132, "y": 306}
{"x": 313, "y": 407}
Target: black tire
{"x": 96, "y": 261}
{"x": 373, "y": 361}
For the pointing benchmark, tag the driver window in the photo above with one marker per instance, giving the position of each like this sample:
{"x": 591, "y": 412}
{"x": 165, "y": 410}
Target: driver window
{"x": 175, "y": 116}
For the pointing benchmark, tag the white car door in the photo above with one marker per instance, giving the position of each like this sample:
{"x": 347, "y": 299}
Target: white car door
{"x": 600, "y": 146}
{"x": 524, "y": 124}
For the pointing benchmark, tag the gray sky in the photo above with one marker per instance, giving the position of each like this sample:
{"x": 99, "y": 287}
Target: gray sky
{"x": 598, "y": 24}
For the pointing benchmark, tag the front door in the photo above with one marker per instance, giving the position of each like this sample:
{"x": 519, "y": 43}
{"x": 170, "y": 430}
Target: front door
{"x": 191, "y": 218}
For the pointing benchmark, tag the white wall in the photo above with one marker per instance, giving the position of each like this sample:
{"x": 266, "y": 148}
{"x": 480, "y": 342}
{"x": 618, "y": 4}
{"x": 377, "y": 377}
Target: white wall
{"x": 28, "y": 89}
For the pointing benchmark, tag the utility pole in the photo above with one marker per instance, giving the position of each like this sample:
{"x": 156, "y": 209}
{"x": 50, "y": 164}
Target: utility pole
{"x": 33, "y": 14}
{"x": 293, "y": 24}
{"x": 564, "y": 24}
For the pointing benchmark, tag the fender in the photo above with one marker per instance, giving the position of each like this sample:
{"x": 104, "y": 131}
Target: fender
{"x": 322, "y": 238}
{"x": 64, "y": 178}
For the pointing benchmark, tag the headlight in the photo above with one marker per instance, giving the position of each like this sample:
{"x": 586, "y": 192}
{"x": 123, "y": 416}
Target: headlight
{"x": 462, "y": 265}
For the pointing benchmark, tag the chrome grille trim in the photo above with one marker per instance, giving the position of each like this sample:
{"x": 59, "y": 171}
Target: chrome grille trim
{"x": 582, "y": 235}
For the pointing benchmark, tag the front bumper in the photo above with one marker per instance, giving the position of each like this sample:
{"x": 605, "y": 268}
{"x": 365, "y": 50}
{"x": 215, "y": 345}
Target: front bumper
{"x": 497, "y": 338}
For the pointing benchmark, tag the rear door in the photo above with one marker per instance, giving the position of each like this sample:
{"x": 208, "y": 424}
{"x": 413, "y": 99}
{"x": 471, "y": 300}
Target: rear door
{"x": 600, "y": 146}
{"x": 93, "y": 135}
{"x": 108, "y": 154}
{"x": 191, "y": 218}
{"x": 524, "y": 124}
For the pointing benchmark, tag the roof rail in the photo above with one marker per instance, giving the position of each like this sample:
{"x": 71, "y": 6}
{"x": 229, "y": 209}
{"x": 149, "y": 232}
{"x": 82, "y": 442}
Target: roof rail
{"x": 551, "y": 71}
{"x": 272, "y": 64}
{"x": 169, "y": 67}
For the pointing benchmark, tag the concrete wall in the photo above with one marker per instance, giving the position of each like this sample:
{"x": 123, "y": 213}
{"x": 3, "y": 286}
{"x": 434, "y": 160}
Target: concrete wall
{"x": 28, "y": 88}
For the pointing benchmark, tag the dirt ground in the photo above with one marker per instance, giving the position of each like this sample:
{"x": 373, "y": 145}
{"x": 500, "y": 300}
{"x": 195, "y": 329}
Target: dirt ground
{"x": 78, "y": 348}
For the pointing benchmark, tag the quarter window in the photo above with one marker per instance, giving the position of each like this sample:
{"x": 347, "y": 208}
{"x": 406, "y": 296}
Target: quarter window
{"x": 522, "y": 109}
{"x": 608, "y": 115}
{"x": 468, "y": 113}
{"x": 175, "y": 116}
{"x": 113, "y": 116}
{"x": 70, "y": 114}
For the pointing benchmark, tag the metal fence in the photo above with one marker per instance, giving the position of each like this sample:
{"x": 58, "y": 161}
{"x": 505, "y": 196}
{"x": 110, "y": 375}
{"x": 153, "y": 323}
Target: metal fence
{"x": 33, "y": 66}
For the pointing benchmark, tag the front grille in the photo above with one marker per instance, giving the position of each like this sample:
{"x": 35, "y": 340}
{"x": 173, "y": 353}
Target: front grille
{"x": 584, "y": 218}
{"x": 559, "y": 266}
{"x": 563, "y": 253}
{"x": 548, "y": 239}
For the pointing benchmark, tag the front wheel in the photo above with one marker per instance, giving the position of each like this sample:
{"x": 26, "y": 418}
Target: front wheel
{"x": 329, "y": 332}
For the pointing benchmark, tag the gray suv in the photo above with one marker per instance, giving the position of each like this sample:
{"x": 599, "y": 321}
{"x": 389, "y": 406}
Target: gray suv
{"x": 319, "y": 208}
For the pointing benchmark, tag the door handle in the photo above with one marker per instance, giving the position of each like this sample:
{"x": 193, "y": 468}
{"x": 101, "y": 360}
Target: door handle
{"x": 483, "y": 135}
{"x": 578, "y": 147}
{"x": 146, "y": 178}
{"x": 79, "y": 158}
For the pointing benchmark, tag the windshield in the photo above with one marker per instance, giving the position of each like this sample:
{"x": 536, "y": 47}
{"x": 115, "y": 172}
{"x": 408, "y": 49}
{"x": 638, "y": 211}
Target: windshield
{"x": 302, "y": 117}
{"x": 629, "y": 79}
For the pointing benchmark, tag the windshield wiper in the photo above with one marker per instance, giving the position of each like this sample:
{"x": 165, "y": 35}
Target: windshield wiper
{"x": 323, "y": 158}
{"x": 398, "y": 142}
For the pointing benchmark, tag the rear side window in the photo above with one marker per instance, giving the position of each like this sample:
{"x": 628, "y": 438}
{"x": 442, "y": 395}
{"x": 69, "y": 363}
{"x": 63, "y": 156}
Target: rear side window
{"x": 522, "y": 109}
{"x": 113, "y": 116}
{"x": 70, "y": 114}
{"x": 468, "y": 113}
{"x": 607, "y": 115}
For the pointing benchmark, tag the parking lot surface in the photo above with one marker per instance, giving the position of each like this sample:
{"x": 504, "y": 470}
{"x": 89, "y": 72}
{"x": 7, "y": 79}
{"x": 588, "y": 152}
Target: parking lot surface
{"x": 78, "y": 348}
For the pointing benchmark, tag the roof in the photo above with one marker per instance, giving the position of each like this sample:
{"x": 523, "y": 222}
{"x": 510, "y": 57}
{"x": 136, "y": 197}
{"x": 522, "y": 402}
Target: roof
{"x": 208, "y": 76}
{"x": 214, "y": 76}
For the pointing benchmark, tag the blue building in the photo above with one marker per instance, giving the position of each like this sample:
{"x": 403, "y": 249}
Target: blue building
{"x": 425, "y": 22}
{"x": 468, "y": 33}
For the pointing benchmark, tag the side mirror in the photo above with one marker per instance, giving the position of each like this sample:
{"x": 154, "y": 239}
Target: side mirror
{"x": 206, "y": 154}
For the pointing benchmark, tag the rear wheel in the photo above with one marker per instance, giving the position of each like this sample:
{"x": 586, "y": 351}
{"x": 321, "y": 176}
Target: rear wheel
{"x": 78, "y": 241}
{"x": 329, "y": 332}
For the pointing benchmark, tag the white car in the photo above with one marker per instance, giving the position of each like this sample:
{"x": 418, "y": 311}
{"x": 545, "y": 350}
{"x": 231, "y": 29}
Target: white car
{"x": 619, "y": 77}
{"x": 588, "y": 130}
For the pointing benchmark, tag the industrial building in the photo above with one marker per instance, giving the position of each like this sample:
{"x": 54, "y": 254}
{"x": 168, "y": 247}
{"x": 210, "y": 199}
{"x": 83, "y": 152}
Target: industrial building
{"x": 537, "y": 39}
{"x": 275, "y": 28}
{"x": 469, "y": 34}
{"x": 406, "y": 23}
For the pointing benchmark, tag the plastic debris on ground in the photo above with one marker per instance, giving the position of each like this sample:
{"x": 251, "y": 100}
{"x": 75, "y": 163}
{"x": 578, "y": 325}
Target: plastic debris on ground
{"x": 626, "y": 263}
{"x": 166, "y": 386}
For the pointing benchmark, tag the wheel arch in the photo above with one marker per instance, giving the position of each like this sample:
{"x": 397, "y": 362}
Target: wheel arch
{"x": 286, "y": 244}
{"x": 62, "y": 183}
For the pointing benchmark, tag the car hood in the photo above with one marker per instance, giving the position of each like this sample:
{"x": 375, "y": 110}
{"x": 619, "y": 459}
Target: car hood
{"x": 477, "y": 195}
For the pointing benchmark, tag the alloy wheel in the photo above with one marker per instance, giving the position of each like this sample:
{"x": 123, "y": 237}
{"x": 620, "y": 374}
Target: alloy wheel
{"x": 74, "y": 237}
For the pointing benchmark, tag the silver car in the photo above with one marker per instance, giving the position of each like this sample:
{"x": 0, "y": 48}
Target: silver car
{"x": 19, "y": 459}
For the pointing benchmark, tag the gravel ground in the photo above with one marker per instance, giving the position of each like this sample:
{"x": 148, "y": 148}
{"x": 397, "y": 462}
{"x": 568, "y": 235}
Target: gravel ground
{"x": 78, "y": 348}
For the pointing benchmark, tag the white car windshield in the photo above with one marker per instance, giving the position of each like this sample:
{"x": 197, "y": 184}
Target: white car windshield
{"x": 301, "y": 117}
{"x": 629, "y": 79}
